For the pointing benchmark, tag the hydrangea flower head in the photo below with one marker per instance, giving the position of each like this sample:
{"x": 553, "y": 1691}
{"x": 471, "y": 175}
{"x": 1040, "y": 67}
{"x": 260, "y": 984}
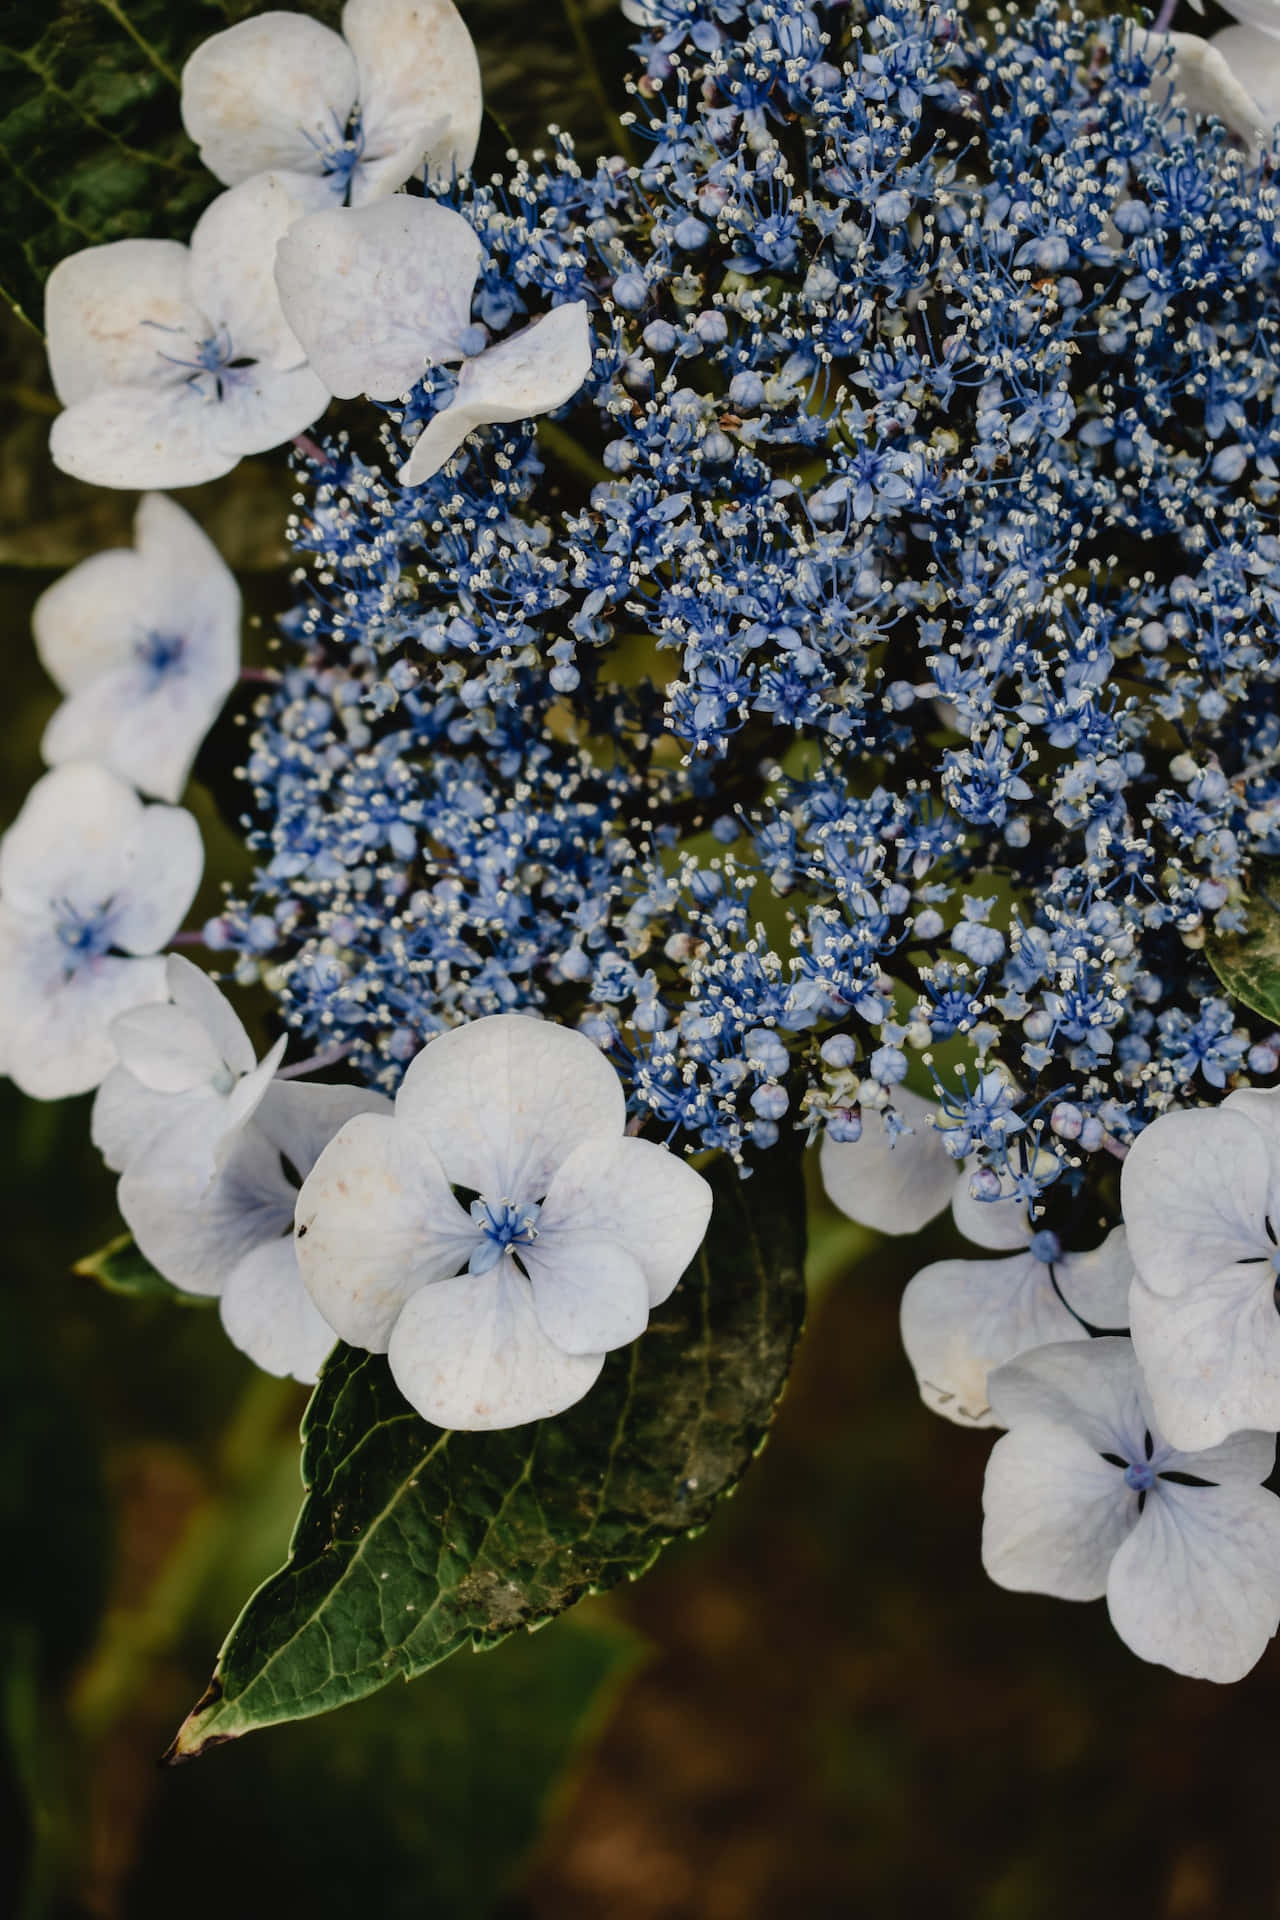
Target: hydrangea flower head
{"x": 500, "y": 1234}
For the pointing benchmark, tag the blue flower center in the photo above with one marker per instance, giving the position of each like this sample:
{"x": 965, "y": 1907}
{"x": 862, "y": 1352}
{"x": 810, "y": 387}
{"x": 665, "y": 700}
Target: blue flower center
{"x": 213, "y": 362}
{"x": 1046, "y": 1246}
{"x": 160, "y": 653}
{"x": 1139, "y": 1478}
{"x": 83, "y": 936}
{"x": 342, "y": 153}
{"x": 504, "y": 1227}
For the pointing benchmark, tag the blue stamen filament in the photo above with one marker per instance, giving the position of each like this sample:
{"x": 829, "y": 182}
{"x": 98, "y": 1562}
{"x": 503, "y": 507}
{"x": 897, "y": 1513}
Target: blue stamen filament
{"x": 505, "y": 1227}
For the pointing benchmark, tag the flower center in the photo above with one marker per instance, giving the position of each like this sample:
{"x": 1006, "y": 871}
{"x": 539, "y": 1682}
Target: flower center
{"x": 1139, "y": 1478}
{"x": 1046, "y": 1246}
{"x": 343, "y": 153}
{"x": 83, "y": 936}
{"x": 159, "y": 653}
{"x": 504, "y": 1226}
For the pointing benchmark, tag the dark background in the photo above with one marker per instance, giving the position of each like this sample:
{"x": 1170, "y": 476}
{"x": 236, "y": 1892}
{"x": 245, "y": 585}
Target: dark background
{"x": 820, "y": 1708}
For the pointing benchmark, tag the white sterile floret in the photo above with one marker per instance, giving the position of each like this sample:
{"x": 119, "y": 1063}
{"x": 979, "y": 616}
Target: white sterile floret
{"x": 144, "y": 641}
{"x": 894, "y": 1182}
{"x": 210, "y": 1202}
{"x": 92, "y": 884}
{"x": 378, "y": 294}
{"x": 498, "y": 1308}
{"x": 963, "y": 1318}
{"x": 187, "y": 1054}
{"x": 1200, "y": 1194}
{"x": 363, "y": 110}
{"x": 1200, "y": 79}
{"x": 174, "y": 362}
{"x": 1079, "y": 1503}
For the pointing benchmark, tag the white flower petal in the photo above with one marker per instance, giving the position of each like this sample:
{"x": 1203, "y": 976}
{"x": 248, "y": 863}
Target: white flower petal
{"x": 269, "y": 1314}
{"x": 167, "y": 1049}
{"x": 191, "y": 988}
{"x": 420, "y": 93}
{"x": 131, "y": 437}
{"x": 589, "y": 1292}
{"x": 88, "y": 622}
{"x": 376, "y": 1221}
{"x": 1194, "y": 1191}
{"x": 896, "y": 1185}
{"x": 503, "y": 1101}
{"x": 107, "y": 310}
{"x": 650, "y": 1201}
{"x": 233, "y": 259}
{"x": 301, "y": 1117}
{"x": 1263, "y": 14}
{"x": 127, "y": 1117}
{"x": 263, "y": 408}
{"x": 470, "y": 1353}
{"x": 1000, "y": 1225}
{"x": 272, "y": 92}
{"x": 55, "y": 1036}
{"x": 70, "y": 842}
{"x": 1196, "y": 1587}
{"x": 962, "y": 1318}
{"x": 1211, "y": 1355}
{"x": 375, "y": 293}
{"x": 1092, "y": 1386}
{"x": 197, "y": 1212}
{"x": 1253, "y": 55}
{"x": 164, "y": 858}
{"x": 533, "y": 372}
{"x": 1242, "y": 1456}
{"x": 1054, "y": 1513}
{"x": 1096, "y": 1285}
{"x": 1200, "y": 81}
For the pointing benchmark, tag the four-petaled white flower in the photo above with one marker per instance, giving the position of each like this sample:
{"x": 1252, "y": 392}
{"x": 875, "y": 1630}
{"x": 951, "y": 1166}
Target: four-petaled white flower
{"x": 498, "y": 1307}
{"x": 92, "y": 884}
{"x": 174, "y": 362}
{"x": 1084, "y": 1496}
{"x": 963, "y": 1318}
{"x": 377, "y": 294}
{"x": 1200, "y": 1193}
{"x": 362, "y": 110}
{"x": 210, "y": 1202}
{"x": 894, "y": 1182}
{"x": 177, "y": 1057}
{"x": 144, "y": 641}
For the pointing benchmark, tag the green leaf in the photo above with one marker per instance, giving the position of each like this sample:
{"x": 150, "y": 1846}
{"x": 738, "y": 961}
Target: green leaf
{"x": 119, "y": 1267}
{"x": 1248, "y": 963}
{"x": 413, "y": 1542}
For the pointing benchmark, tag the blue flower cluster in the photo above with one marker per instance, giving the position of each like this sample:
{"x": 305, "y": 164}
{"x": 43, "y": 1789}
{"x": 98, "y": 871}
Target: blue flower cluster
{"x": 879, "y": 655}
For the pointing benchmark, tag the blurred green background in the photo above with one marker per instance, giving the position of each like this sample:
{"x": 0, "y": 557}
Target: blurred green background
{"x": 818, "y": 1709}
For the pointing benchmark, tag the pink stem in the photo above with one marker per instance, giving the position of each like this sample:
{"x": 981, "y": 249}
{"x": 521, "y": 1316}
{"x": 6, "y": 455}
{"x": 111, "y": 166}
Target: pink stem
{"x": 259, "y": 676}
{"x": 327, "y": 1057}
{"x": 188, "y": 937}
{"x": 1114, "y": 1146}
{"x": 311, "y": 450}
{"x": 1163, "y": 19}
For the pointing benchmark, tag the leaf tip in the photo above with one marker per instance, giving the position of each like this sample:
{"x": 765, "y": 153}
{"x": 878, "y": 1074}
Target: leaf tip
{"x": 191, "y": 1739}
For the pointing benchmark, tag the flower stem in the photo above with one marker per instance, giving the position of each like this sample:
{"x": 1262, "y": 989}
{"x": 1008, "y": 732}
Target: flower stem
{"x": 327, "y": 1057}
{"x": 259, "y": 676}
{"x": 311, "y": 450}
{"x": 595, "y": 80}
